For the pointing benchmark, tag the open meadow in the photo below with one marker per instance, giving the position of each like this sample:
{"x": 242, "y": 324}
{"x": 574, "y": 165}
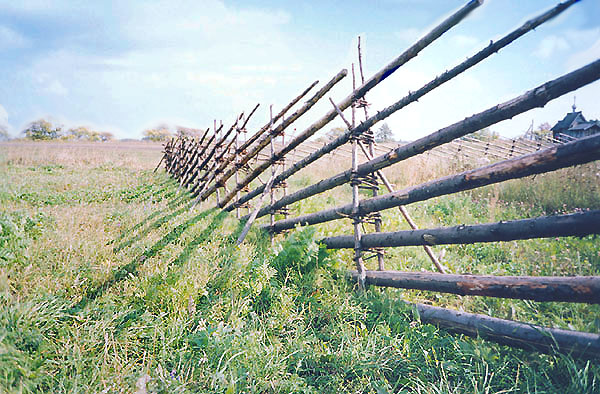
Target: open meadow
{"x": 111, "y": 282}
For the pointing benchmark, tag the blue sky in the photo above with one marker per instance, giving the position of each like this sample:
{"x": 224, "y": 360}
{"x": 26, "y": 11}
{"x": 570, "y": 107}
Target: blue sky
{"x": 123, "y": 66}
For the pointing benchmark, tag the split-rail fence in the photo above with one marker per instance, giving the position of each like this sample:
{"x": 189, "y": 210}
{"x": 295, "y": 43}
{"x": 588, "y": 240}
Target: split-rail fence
{"x": 226, "y": 161}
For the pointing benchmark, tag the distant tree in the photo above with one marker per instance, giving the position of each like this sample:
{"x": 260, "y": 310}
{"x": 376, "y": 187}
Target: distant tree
{"x": 4, "y": 136}
{"x": 335, "y": 132}
{"x": 82, "y": 133}
{"x": 42, "y": 130}
{"x": 187, "y": 132}
{"x": 106, "y": 136}
{"x": 384, "y": 134}
{"x": 161, "y": 133}
{"x": 542, "y": 131}
{"x": 544, "y": 127}
{"x": 485, "y": 134}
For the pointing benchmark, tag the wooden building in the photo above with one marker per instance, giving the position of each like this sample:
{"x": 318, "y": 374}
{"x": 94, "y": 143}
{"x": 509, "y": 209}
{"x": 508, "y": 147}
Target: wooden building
{"x": 574, "y": 125}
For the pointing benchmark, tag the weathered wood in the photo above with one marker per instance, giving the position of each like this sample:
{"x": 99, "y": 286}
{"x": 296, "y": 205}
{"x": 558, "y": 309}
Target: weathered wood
{"x": 512, "y": 333}
{"x": 585, "y": 289}
{"x": 281, "y": 113}
{"x": 534, "y": 98}
{"x": 193, "y": 158}
{"x": 575, "y": 224}
{"x": 221, "y": 162}
{"x": 212, "y": 152}
{"x": 357, "y": 93}
{"x": 252, "y": 216}
{"x": 375, "y": 190}
{"x": 264, "y": 141}
{"x": 406, "y": 216}
{"x": 410, "y": 98}
{"x": 174, "y": 154}
{"x": 187, "y": 157}
{"x": 200, "y": 156}
{"x": 358, "y": 261}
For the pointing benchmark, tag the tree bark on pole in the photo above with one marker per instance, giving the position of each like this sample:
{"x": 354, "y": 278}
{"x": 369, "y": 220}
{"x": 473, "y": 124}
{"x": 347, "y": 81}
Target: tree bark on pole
{"x": 356, "y": 218}
{"x": 576, "y": 224}
{"x": 413, "y": 96}
{"x": 584, "y": 289}
{"x": 369, "y": 133}
{"x": 534, "y": 98}
{"x": 512, "y": 333}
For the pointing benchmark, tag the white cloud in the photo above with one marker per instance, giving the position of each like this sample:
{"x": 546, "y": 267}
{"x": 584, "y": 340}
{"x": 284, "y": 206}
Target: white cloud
{"x": 587, "y": 55}
{"x": 464, "y": 41}
{"x": 4, "y": 125}
{"x": 3, "y": 116}
{"x": 10, "y": 39}
{"x": 48, "y": 84}
{"x": 408, "y": 35}
{"x": 550, "y": 45}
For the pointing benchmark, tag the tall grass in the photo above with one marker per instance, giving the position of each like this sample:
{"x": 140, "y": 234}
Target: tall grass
{"x": 109, "y": 283}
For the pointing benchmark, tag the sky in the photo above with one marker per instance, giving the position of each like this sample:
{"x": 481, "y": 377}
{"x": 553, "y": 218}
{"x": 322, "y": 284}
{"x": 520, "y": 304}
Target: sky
{"x": 125, "y": 66}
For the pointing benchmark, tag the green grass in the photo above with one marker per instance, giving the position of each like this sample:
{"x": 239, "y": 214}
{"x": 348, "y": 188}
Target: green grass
{"x": 109, "y": 280}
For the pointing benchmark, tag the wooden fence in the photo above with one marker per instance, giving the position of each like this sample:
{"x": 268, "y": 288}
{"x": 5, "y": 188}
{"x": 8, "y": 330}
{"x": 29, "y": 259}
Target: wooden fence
{"x": 228, "y": 161}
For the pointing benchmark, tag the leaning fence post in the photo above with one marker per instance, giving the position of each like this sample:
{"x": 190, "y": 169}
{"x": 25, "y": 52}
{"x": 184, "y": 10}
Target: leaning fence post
{"x": 355, "y": 181}
{"x": 271, "y": 189}
{"x": 368, "y": 135}
{"x": 356, "y": 215}
{"x": 235, "y": 163}
{"x": 252, "y": 217}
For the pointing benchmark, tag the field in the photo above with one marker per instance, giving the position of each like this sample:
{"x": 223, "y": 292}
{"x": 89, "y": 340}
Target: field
{"x": 111, "y": 283}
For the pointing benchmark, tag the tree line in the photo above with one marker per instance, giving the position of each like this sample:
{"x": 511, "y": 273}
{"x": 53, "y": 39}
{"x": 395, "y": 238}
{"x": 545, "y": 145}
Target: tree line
{"x": 43, "y": 130}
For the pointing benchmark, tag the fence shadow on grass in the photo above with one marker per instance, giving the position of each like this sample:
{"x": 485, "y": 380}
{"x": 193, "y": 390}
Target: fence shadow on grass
{"x": 166, "y": 189}
{"x": 131, "y": 269}
{"x": 154, "y": 225}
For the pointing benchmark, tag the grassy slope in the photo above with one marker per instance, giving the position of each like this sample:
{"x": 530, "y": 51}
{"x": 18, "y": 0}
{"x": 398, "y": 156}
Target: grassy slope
{"x": 108, "y": 280}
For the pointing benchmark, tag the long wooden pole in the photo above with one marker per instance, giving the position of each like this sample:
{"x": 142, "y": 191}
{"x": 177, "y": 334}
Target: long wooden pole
{"x": 512, "y": 333}
{"x": 412, "y": 97}
{"x": 371, "y": 139}
{"x": 534, "y": 98}
{"x": 575, "y": 224}
{"x": 213, "y": 151}
{"x": 356, "y": 218}
{"x": 585, "y": 289}
{"x": 194, "y": 157}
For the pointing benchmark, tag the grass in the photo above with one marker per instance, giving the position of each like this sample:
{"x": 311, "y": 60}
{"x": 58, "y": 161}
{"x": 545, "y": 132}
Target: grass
{"x": 109, "y": 283}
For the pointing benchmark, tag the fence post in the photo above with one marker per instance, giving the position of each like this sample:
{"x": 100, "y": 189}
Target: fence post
{"x": 360, "y": 267}
{"x": 370, "y": 138}
{"x": 272, "y": 189}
